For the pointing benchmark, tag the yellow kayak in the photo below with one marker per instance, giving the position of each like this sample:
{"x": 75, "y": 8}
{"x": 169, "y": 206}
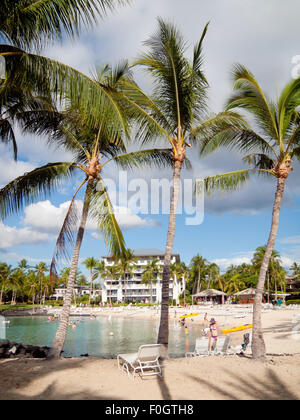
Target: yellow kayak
{"x": 189, "y": 316}
{"x": 243, "y": 327}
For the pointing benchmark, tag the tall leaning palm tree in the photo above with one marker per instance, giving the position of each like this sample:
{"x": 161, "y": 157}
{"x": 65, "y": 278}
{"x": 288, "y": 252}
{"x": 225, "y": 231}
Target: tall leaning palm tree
{"x": 177, "y": 110}
{"x": 269, "y": 147}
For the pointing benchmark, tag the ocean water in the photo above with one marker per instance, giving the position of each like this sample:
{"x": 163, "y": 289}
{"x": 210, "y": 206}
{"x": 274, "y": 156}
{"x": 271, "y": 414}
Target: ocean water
{"x": 93, "y": 336}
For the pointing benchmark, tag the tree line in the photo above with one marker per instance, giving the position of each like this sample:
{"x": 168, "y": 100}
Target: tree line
{"x": 30, "y": 284}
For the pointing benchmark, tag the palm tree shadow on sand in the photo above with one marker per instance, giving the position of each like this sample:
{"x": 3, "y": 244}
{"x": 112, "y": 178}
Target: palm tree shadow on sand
{"x": 14, "y": 389}
{"x": 253, "y": 388}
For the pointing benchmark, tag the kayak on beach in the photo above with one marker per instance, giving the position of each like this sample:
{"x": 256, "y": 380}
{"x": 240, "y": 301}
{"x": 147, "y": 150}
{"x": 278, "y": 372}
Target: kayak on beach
{"x": 241, "y": 328}
{"x": 189, "y": 316}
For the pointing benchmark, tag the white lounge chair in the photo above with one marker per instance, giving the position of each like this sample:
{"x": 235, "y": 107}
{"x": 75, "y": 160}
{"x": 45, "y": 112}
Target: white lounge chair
{"x": 145, "y": 361}
{"x": 222, "y": 345}
{"x": 201, "y": 348}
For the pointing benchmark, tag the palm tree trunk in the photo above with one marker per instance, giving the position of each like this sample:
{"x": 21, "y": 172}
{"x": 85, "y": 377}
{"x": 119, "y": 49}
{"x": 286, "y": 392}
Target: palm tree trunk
{"x": 268, "y": 287}
{"x": 163, "y": 334}
{"x": 199, "y": 281}
{"x": 91, "y": 288}
{"x": 59, "y": 340}
{"x": 258, "y": 344}
{"x": 1, "y": 295}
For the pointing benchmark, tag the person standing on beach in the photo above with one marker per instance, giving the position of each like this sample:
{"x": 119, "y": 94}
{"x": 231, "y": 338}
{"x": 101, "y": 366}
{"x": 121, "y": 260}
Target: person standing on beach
{"x": 205, "y": 321}
{"x": 213, "y": 334}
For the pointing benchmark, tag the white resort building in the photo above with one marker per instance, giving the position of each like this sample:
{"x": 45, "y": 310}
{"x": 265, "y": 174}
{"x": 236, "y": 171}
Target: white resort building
{"x": 114, "y": 290}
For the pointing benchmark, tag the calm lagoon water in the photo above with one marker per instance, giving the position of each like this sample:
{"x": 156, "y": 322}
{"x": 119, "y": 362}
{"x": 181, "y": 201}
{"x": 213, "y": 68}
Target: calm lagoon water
{"x": 91, "y": 336}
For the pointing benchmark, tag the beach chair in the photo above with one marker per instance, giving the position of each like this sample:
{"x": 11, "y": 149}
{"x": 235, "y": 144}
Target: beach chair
{"x": 201, "y": 348}
{"x": 222, "y": 345}
{"x": 145, "y": 362}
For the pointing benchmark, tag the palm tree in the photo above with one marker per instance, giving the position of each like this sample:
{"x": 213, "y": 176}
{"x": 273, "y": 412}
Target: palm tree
{"x": 95, "y": 143}
{"x": 295, "y": 269}
{"x": 175, "y": 113}
{"x": 198, "y": 268}
{"x": 100, "y": 272}
{"x": 150, "y": 274}
{"x": 274, "y": 266}
{"x": 91, "y": 264}
{"x": 213, "y": 273}
{"x": 5, "y": 275}
{"x": 111, "y": 273}
{"x": 234, "y": 284}
{"x": 126, "y": 264}
{"x": 269, "y": 150}
{"x": 183, "y": 273}
{"x": 40, "y": 270}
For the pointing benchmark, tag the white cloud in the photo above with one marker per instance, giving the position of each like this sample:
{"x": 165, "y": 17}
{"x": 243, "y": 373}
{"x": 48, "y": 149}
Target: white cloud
{"x": 46, "y": 217}
{"x": 12, "y": 236}
{"x": 291, "y": 240}
{"x": 128, "y": 220}
{"x": 9, "y": 169}
{"x": 225, "y": 263}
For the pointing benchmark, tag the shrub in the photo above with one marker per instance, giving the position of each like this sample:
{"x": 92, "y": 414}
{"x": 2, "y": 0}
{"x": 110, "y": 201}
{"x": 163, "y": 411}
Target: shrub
{"x": 293, "y": 302}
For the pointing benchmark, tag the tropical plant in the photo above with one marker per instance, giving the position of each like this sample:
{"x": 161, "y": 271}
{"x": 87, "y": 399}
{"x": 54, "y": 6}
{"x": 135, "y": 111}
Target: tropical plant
{"x": 126, "y": 264}
{"x": 150, "y": 274}
{"x": 184, "y": 274}
{"x": 198, "y": 272}
{"x": 111, "y": 273}
{"x": 213, "y": 272}
{"x": 269, "y": 150}
{"x": 233, "y": 284}
{"x": 27, "y": 23}
{"x": 91, "y": 264}
{"x": 31, "y": 80}
{"x": 40, "y": 270}
{"x": 295, "y": 269}
{"x": 176, "y": 112}
{"x": 5, "y": 275}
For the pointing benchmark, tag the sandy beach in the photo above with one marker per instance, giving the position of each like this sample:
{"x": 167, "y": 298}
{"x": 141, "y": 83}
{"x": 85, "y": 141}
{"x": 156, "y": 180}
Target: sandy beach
{"x": 209, "y": 378}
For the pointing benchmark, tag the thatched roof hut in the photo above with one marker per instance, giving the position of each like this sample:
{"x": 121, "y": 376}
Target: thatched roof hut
{"x": 210, "y": 293}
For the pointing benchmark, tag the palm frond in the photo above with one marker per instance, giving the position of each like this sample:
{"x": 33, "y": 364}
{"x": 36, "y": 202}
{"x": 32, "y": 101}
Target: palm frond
{"x": 250, "y": 97}
{"x": 287, "y": 104}
{"x": 224, "y": 182}
{"x": 179, "y": 89}
{"x": 145, "y": 158}
{"x": 7, "y": 135}
{"x": 259, "y": 161}
{"x": 66, "y": 239}
{"x": 296, "y": 153}
{"x": 32, "y": 22}
{"x": 229, "y": 129}
{"x": 32, "y": 186}
{"x": 102, "y": 211}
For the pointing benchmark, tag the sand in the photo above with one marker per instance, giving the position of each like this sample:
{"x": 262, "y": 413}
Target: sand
{"x": 218, "y": 377}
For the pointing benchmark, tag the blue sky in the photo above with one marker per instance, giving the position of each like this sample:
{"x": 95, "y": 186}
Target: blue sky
{"x": 264, "y": 36}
